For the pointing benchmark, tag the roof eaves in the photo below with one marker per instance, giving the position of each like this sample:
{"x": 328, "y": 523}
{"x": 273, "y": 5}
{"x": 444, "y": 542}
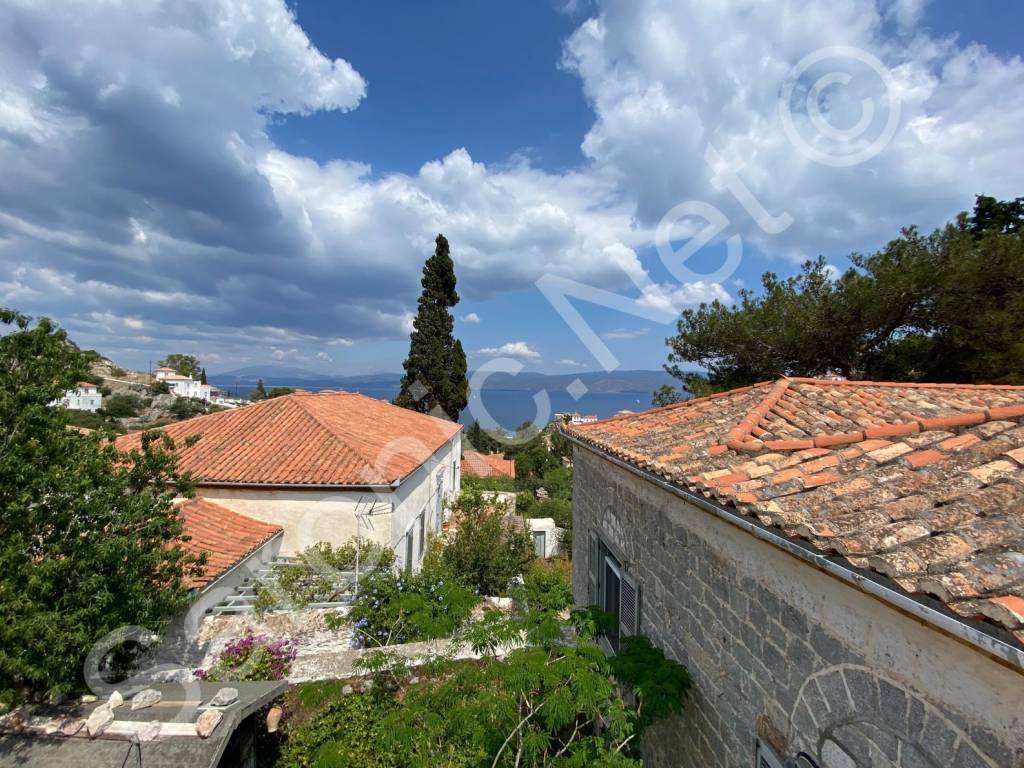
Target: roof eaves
{"x": 257, "y": 485}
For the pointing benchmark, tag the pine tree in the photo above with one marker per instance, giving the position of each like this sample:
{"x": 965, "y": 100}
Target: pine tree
{"x": 435, "y": 370}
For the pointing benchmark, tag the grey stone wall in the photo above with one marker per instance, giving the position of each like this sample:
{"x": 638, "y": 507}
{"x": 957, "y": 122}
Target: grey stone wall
{"x": 777, "y": 647}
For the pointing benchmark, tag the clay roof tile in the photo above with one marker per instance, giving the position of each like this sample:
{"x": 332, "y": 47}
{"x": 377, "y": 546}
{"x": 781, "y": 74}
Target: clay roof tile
{"x": 307, "y": 439}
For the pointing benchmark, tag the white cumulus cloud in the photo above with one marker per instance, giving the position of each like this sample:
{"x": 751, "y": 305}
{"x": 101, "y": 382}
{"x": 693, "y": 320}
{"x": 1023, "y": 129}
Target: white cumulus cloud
{"x": 143, "y": 182}
{"x": 518, "y": 349}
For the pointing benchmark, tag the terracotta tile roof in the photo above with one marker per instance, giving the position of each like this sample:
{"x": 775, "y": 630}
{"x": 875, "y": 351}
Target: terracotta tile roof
{"x": 337, "y": 438}
{"x": 922, "y": 483}
{"x": 225, "y": 536}
{"x": 487, "y": 464}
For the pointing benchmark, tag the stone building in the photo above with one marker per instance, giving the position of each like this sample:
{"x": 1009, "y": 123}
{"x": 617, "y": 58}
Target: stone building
{"x": 839, "y": 564}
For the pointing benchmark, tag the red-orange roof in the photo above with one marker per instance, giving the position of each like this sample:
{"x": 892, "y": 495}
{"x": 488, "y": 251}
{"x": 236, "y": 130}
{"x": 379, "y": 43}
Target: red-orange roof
{"x": 337, "y": 438}
{"x": 923, "y": 483}
{"x": 225, "y": 536}
{"x": 487, "y": 464}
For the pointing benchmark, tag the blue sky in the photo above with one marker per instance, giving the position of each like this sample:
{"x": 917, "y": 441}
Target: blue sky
{"x": 260, "y": 183}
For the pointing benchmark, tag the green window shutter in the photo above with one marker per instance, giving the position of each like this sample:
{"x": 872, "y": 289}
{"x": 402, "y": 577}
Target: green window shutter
{"x": 629, "y": 606}
{"x": 594, "y": 569}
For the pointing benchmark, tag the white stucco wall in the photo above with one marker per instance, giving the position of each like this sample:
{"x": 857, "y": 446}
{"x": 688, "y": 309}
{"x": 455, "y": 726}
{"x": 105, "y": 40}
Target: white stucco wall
{"x": 418, "y": 493}
{"x": 81, "y": 399}
{"x": 190, "y": 388}
{"x": 552, "y": 533}
{"x": 308, "y": 516}
{"x": 311, "y": 515}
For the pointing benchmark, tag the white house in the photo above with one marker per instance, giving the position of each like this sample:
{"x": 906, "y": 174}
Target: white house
{"x": 84, "y": 397}
{"x": 326, "y": 467}
{"x": 184, "y": 386}
{"x": 546, "y": 536}
{"x": 574, "y": 418}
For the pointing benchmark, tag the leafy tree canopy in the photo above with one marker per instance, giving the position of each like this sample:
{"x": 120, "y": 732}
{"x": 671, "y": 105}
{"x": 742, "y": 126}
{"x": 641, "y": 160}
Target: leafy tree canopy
{"x": 85, "y": 532}
{"x": 480, "y": 439}
{"x": 184, "y": 365}
{"x": 435, "y": 370}
{"x": 486, "y": 551}
{"x": 666, "y": 394}
{"x": 550, "y": 704}
{"x": 279, "y": 392}
{"x": 187, "y": 407}
{"x": 941, "y": 307}
{"x": 122, "y": 405}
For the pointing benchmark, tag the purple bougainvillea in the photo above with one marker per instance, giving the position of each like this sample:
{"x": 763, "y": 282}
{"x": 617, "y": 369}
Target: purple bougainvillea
{"x": 251, "y": 657}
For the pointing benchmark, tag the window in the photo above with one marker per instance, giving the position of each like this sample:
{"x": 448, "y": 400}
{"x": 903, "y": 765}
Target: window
{"x": 439, "y": 499}
{"x": 540, "y": 544}
{"x": 613, "y": 591}
{"x": 423, "y": 531}
{"x": 408, "y": 551}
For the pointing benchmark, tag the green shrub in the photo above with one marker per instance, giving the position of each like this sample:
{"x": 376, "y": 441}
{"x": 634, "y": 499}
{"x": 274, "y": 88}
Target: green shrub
{"x": 397, "y": 608}
{"x": 348, "y": 733}
{"x": 121, "y": 405}
{"x": 487, "y": 550}
{"x": 160, "y": 388}
{"x": 547, "y": 586}
{"x": 659, "y": 684}
{"x": 315, "y": 578}
{"x": 92, "y": 421}
{"x": 315, "y": 575}
{"x": 520, "y": 711}
{"x": 552, "y": 705}
{"x": 493, "y": 483}
{"x": 187, "y": 407}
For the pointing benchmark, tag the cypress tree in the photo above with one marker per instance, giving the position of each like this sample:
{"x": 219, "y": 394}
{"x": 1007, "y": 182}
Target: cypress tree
{"x": 260, "y": 393}
{"x": 435, "y": 370}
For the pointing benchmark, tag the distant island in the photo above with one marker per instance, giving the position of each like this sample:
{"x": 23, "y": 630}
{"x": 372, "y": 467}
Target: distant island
{"x": 597, "y": 382}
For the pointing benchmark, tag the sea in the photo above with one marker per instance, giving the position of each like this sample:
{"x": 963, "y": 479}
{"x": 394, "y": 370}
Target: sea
{"x": 507, "y": 408}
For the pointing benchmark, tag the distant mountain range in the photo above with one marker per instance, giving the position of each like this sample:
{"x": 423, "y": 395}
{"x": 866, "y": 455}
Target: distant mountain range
{"x": 596, "y": 381}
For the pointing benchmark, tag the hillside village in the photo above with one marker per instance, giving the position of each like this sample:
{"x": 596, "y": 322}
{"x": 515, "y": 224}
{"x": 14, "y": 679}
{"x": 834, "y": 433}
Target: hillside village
{"x": 802, "y": 548}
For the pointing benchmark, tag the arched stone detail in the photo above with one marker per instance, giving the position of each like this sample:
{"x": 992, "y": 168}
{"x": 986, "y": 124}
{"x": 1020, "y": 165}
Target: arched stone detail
{"x": 851, "y": 716}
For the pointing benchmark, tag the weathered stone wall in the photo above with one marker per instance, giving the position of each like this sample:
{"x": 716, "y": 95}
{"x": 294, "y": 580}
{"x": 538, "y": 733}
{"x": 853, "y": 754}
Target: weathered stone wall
{"x": 770, "y": 639}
